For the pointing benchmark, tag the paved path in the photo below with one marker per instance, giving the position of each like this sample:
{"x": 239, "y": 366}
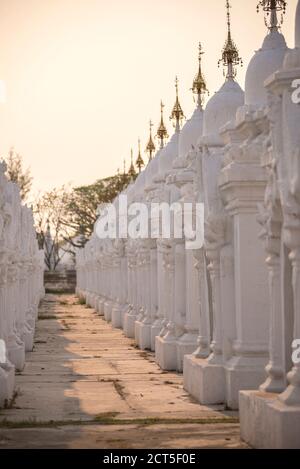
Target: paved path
{"x": 87, "y": 386}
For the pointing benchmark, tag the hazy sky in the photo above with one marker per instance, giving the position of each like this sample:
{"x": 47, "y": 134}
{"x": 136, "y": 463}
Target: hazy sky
{"x": 83, "y": 77}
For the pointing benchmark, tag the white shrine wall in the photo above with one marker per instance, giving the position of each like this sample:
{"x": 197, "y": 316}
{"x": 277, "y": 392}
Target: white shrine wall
{"x": 21, "y": 284}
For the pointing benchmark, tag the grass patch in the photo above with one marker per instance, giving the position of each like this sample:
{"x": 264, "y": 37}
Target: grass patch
{"x": 81, "y": 301}
{"x": 9, "y": 404}
{"x": 54, "y": 291}
{"x": 109, "y": 418}
{"x": 47, "y": 316}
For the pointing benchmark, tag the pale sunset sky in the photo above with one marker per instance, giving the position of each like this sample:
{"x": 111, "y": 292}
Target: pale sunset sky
{"x": 83, "y": 77}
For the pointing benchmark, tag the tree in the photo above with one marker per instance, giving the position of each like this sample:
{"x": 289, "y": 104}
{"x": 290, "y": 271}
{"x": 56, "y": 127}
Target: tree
{"x": 48, "y": 211}
{"x": 65, "y": 217}
{"x": 82, "y": 205}
{"x": 16, "y": 173}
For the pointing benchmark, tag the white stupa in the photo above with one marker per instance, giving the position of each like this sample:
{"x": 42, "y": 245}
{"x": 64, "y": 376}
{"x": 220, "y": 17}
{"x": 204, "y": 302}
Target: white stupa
{"x": 222, "y": 107}
{"x": 267, "y": 60}
{"x": 193, "y": 128}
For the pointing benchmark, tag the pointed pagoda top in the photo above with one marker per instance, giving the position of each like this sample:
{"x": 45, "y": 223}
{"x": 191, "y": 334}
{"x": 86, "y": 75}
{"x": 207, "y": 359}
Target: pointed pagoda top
{"x": 162, "y": 133}
{"x": 271, "y": 7}
{"x": 177, "y": 113}
{"x": 132, "y": 171}
{"x": 199, "y": 83}
{"x": 150, "y": 145}
{"x": 124, "y": 175}
{"x": 230, "y": 54}
{"x": 139, "y": 162}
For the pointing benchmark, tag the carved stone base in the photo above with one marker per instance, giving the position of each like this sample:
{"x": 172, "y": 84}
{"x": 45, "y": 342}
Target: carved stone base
{"x": 28, "y": 338}
{"x": 125, "y": 310}
{"x": 100, "y": 306}
{"x": 267, "y": 423}
{"x": 81, "y": 294}
{"x": 93, "y": 300}
{"x": 108, "y": 306}
{"x": 247, "y": 374}
{"x": 143, "y": 335}
{"x": 16, "y": 354}
{"x": 204, "y": 381}
{"x": 7, "y": 384}
{"x": 165, "y": 352}
{"x": 186, "y": 345}
{"x": 116, "y": 316}
{"x": 129, "y": 324}
{"x": 88, "y": 297}
{"x": 155, "y": 330}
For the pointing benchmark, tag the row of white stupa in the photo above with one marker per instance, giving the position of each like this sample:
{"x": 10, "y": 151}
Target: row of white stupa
{"x": 21, "y": 284}
{"x": 227, "y": 314}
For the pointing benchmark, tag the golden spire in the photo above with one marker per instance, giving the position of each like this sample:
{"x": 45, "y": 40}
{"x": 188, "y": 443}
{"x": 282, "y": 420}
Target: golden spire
{"x": 177, "y": 113}
{"x": 162, "y": 133}
{"x": 230, "y": 55}
{"x": 139, "y": 162}
{"x": 199, "y": 83}
{"x": 132, "y": 172}
{"x": 150, "y": 146}
{"x": 271, "y": 7}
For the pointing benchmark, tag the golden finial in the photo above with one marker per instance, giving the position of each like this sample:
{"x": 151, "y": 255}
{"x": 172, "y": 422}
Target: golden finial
{"x": 230, "y": 55}
{"x": 177, "y": 113}
{"x": 139, "y": 162}
{"x": 150, "y": 146}
{"x": 132, "y": 172}
{"x": 162, "y": 133}
{"x": 271, "y": 7}
{"x": 199, "y": 83}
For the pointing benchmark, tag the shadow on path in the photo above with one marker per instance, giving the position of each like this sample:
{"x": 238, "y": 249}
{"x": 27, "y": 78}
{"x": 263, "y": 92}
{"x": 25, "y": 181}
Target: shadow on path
{"x": 86, "y": 386}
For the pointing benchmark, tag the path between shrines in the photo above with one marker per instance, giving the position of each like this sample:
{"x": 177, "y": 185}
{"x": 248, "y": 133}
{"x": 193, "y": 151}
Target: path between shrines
{"x": 85, "y": 385}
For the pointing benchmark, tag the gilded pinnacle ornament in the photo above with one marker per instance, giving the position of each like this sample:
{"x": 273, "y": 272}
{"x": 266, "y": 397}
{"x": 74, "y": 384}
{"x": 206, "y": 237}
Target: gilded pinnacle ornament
{"x": 199, "y": 84}
{"x": 162, "y": 133}
{"x": 271, "y": 7}
{"x": 177, "y": 115}
{"x": 139, "y": 162}
{"x": 132, "y": 171}
{"x": 150, "y": 146}
{"x": 230, "y": 55}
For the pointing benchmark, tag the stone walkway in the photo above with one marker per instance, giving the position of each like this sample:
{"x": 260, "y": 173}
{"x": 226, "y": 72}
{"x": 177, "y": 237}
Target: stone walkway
{"x": 87, "y": 386}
